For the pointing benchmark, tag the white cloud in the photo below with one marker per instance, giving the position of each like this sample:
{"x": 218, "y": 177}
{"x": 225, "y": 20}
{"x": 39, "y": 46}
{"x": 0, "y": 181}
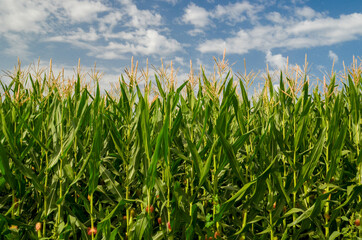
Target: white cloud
{"x": 140, "y": 34}
{"x": 274, "y": 17}
{"x": 109, "y": 21}
{"x": 17, "y": 45}
{"x": 78, "y": 35}
{"x": 197, "y": 16}
{"x": 114, "y": 32}
{"x": 195, "y": 32}
{"x": 276, "y": 61}
{"x": 29, "y": 18}
{"x": 23, "y": 16}
{"x": 82, "y": 11}
{"x": 291, "y": 34}
{"x": 327, "y": 31}
{"x": 236, "y": 12}
{"x": 180, "y": 61}
{"x": 109, "y": 55}
{"x": 241, "y": 42}
{"x": 231, "y": 13}
{"x": 155, "y": 43}
{"x": 306, "y": 12}
{"x": 333, "y": 56}
{"x": 37, "y": 16}
{"x": 140, "y": 42}
{"x": 173, "y": 2}
{"x": 139, "y": 18}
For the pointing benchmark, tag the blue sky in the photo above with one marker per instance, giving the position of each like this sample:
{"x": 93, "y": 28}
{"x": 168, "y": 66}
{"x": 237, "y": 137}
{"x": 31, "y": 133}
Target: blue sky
{"x": 110, "y": 32}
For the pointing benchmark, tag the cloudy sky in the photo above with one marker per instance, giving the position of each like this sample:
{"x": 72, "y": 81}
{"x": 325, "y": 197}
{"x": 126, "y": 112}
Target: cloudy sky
{"x": 110, "y": 32}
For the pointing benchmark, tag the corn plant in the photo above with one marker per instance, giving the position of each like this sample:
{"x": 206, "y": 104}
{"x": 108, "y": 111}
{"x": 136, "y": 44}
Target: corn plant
{"x": 203, "y": 159}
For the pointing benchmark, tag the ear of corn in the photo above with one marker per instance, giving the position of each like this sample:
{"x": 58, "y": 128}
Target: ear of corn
{"x": 207, "y": 160}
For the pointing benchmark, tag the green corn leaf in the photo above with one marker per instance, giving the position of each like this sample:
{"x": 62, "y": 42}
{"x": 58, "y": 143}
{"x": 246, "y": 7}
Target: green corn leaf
{"x": 230, "y": 153}
{"x": 29, "y": 174}
{"x": 5, "y": 168}
{"x": 230, "y": 202}
{"x": 108, "y": 176}
{"x": 334, "y": 235}
{"x": 94, "y": 162}
{"x": 280, "y": 187}
{"x": 166, "y": 130}
{"x": 68, "y": 142}
{"x": 7, "y": 131}
{"x": 51, "y": 201}
{"x": 246, "y": 102}
{"x": 145, "y": 129}
{"x": 242, "y": 192}
{"x": 142, "y": 227}
{"x": 336, "y": 152}
{"x": 311, "y": 212}
{"x": 311, "y": 161}
{"x": 114, "y": 234}
{"x": 206, "y": 169}
{"x": 116, "y": 137}
{"x": 68, "y": 170}
{"x": 159, "y": 86}
{"x": 116, "y": 210}
{"x": 356, "y": 191}
{"x": 151, "y": 173}
{"x": 77, "y": 177}
{"x": 196, "y": 159}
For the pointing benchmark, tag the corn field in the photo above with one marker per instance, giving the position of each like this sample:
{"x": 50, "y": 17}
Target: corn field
{"x": 153, "y": 159}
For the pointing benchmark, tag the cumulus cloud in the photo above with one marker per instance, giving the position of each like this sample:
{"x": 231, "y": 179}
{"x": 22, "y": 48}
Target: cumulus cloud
{"x": 231, "y": 13}
{"x": 139, "y": 18}
{"x": 104, "y": 31}
{"x": 141, "y": 42}
{"x": 197, "y": 16}
{"x": 154, "y": 42}
{"x": 236, "y": 12}
{"x": 116, "y": 29}
{"x": 333, "y": 56}
{"x": 274, "y": 17}
{"x": 17, "y": 45}
{"x": 37, "y": 16}
{"x": 82, "y": 11}
{"x": 22, "y": 21}
{"x": 23, "y": 16}
{"x": 289, "y": 34}
{"x": 306, "y": 13}
{"x": 139, "y": 34}
{"x": 110, "y": 20}
{"x": 276, "y": 61}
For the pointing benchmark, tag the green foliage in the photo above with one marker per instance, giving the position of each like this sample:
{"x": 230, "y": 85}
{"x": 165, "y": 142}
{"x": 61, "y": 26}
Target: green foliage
{"x": 196, "y": 160}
